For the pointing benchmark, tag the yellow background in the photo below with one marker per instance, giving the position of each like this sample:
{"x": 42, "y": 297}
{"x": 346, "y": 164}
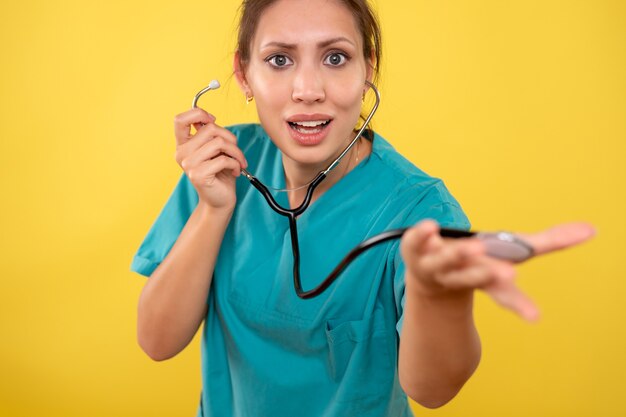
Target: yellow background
{"x": 519, "y": 105}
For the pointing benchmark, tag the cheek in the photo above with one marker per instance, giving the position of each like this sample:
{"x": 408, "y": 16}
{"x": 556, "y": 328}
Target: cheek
{"x": 270, "y": 101}
{"x": 268, "y": 93}
{"x": 348, "y": 95}
{"x": 351, "y": 106}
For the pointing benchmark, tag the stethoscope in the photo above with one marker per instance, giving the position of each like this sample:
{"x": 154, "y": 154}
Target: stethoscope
{"x": 501, "y": 245}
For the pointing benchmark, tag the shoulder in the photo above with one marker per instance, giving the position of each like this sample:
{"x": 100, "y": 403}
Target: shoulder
{"x": 416, "y": 193}
{"x": 247, "y": 130}
{"x": 403, "y": 175}
{"x": 254, "y": 142}
{"x": 248, "y": 134}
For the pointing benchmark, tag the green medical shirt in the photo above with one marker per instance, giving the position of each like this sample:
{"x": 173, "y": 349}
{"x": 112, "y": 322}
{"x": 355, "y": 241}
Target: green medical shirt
{"x": 266, "y": 352}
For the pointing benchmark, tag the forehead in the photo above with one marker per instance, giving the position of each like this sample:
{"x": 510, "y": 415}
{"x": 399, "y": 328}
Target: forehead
{"x": 304, "y": 21}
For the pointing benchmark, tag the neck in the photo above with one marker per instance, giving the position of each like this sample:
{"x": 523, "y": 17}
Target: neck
{"x": 297, "y": 175}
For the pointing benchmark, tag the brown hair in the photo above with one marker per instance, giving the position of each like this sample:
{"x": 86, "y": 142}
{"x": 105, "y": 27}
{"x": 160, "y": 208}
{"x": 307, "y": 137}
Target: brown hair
{"x": 367, "y": 22}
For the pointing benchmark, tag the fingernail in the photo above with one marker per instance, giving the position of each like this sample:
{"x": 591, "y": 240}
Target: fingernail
{"x": 593, "y": 230}
{"x": 532, "y": 316}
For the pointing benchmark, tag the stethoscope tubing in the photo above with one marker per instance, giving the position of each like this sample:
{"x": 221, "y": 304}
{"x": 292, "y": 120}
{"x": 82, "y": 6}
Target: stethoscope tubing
{"x": 502, "y": 245}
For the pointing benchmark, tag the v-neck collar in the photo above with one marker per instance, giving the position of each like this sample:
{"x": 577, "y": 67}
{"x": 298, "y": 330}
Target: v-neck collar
{"x": 339, "y": 186}
{"x": 271, "y": 169}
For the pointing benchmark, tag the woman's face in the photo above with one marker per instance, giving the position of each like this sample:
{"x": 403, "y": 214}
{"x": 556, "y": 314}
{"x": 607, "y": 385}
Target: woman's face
{"x": 307, "y": 73}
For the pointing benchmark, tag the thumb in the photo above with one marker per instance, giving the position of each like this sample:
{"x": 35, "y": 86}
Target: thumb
{"x": 421, "y": 238}
{"x": 210, "y": 119}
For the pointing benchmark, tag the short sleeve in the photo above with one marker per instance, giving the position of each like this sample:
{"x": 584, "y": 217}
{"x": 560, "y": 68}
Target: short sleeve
{"x": 166, "y": 228}
{"x": 448, "y": 215}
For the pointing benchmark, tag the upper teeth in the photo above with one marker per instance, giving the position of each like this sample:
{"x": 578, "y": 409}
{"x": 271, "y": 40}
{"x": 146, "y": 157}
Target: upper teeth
{"x": 312, "y": 123}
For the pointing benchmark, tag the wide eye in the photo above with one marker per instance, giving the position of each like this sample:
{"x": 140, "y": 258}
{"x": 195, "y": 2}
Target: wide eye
{"x": 279, "y": 61}
{"x": 336, "y": 59}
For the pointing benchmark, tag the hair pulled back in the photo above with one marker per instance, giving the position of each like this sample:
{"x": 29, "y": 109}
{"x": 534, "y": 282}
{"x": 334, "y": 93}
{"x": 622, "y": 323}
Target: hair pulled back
{"x": 364, "y": 16}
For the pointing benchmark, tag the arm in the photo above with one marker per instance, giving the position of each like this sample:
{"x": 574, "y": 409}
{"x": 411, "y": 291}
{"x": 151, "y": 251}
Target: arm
{"x": 172, "y": 304}
{"x": 439, "y": 346}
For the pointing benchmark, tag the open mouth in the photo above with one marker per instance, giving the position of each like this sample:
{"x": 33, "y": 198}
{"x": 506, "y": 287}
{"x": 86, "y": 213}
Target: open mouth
{"x": 309, "y": 127}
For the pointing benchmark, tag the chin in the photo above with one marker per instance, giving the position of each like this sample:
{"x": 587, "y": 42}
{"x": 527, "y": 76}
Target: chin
{"x": 309, "y": 157}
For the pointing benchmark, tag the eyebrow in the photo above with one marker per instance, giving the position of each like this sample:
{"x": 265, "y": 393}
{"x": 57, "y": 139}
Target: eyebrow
{"x": 321, "y": 44}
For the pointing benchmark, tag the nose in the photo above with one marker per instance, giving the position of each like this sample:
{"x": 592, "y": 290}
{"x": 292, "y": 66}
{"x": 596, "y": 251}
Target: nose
{"x": 308, "y": 85}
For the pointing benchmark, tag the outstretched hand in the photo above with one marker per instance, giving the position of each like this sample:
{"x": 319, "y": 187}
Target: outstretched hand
{"x": 440, "y": 267}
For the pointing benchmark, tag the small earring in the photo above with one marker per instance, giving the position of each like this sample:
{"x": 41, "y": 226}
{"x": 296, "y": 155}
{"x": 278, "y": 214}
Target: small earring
{"x": 249, "y": 98}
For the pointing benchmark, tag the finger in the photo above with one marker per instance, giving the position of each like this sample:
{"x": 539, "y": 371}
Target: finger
{"x": 205, "y": 174}
{"x": 482, "y": 272}
{"x": 415, "y": 240}
{"x": 434, "y": 243}
{"x": 208, "y": 133}
{"x": 183, "y": 122}
{"x": 510, "y": 297}
{"x": 452, "y": 254}
{"x": 559, "y": 237}
{"x": 212, "y": 130}
{"x": 219, "y": 164}
{"x": 214, "y": 148}
{"x": 190, "y": 147}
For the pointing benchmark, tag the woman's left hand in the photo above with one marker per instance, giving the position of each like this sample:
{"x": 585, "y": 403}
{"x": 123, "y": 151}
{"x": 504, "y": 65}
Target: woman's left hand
{"x": 438, "y": 267}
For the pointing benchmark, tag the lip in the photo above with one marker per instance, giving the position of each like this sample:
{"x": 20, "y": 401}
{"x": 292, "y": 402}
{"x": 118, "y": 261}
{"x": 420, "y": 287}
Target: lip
{"x": 309, "y": 139}
{"x": 309, "y": 117}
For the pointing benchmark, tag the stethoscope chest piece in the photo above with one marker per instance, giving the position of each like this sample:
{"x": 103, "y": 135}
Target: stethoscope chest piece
{"x": 505, "y": 245}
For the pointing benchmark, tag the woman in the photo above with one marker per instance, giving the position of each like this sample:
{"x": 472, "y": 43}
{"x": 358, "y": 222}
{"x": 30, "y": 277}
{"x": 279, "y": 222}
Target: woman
{"x": 399, "y": 320}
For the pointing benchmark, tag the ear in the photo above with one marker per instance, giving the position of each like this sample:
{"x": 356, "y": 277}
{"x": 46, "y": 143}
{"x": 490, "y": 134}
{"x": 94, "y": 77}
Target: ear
{"x": 240, "y": 74}
{"x": 370, "y": 63}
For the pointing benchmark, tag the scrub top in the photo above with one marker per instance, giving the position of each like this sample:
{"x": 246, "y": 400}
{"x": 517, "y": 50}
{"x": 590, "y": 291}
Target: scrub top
{"x": 266, "y": 352}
